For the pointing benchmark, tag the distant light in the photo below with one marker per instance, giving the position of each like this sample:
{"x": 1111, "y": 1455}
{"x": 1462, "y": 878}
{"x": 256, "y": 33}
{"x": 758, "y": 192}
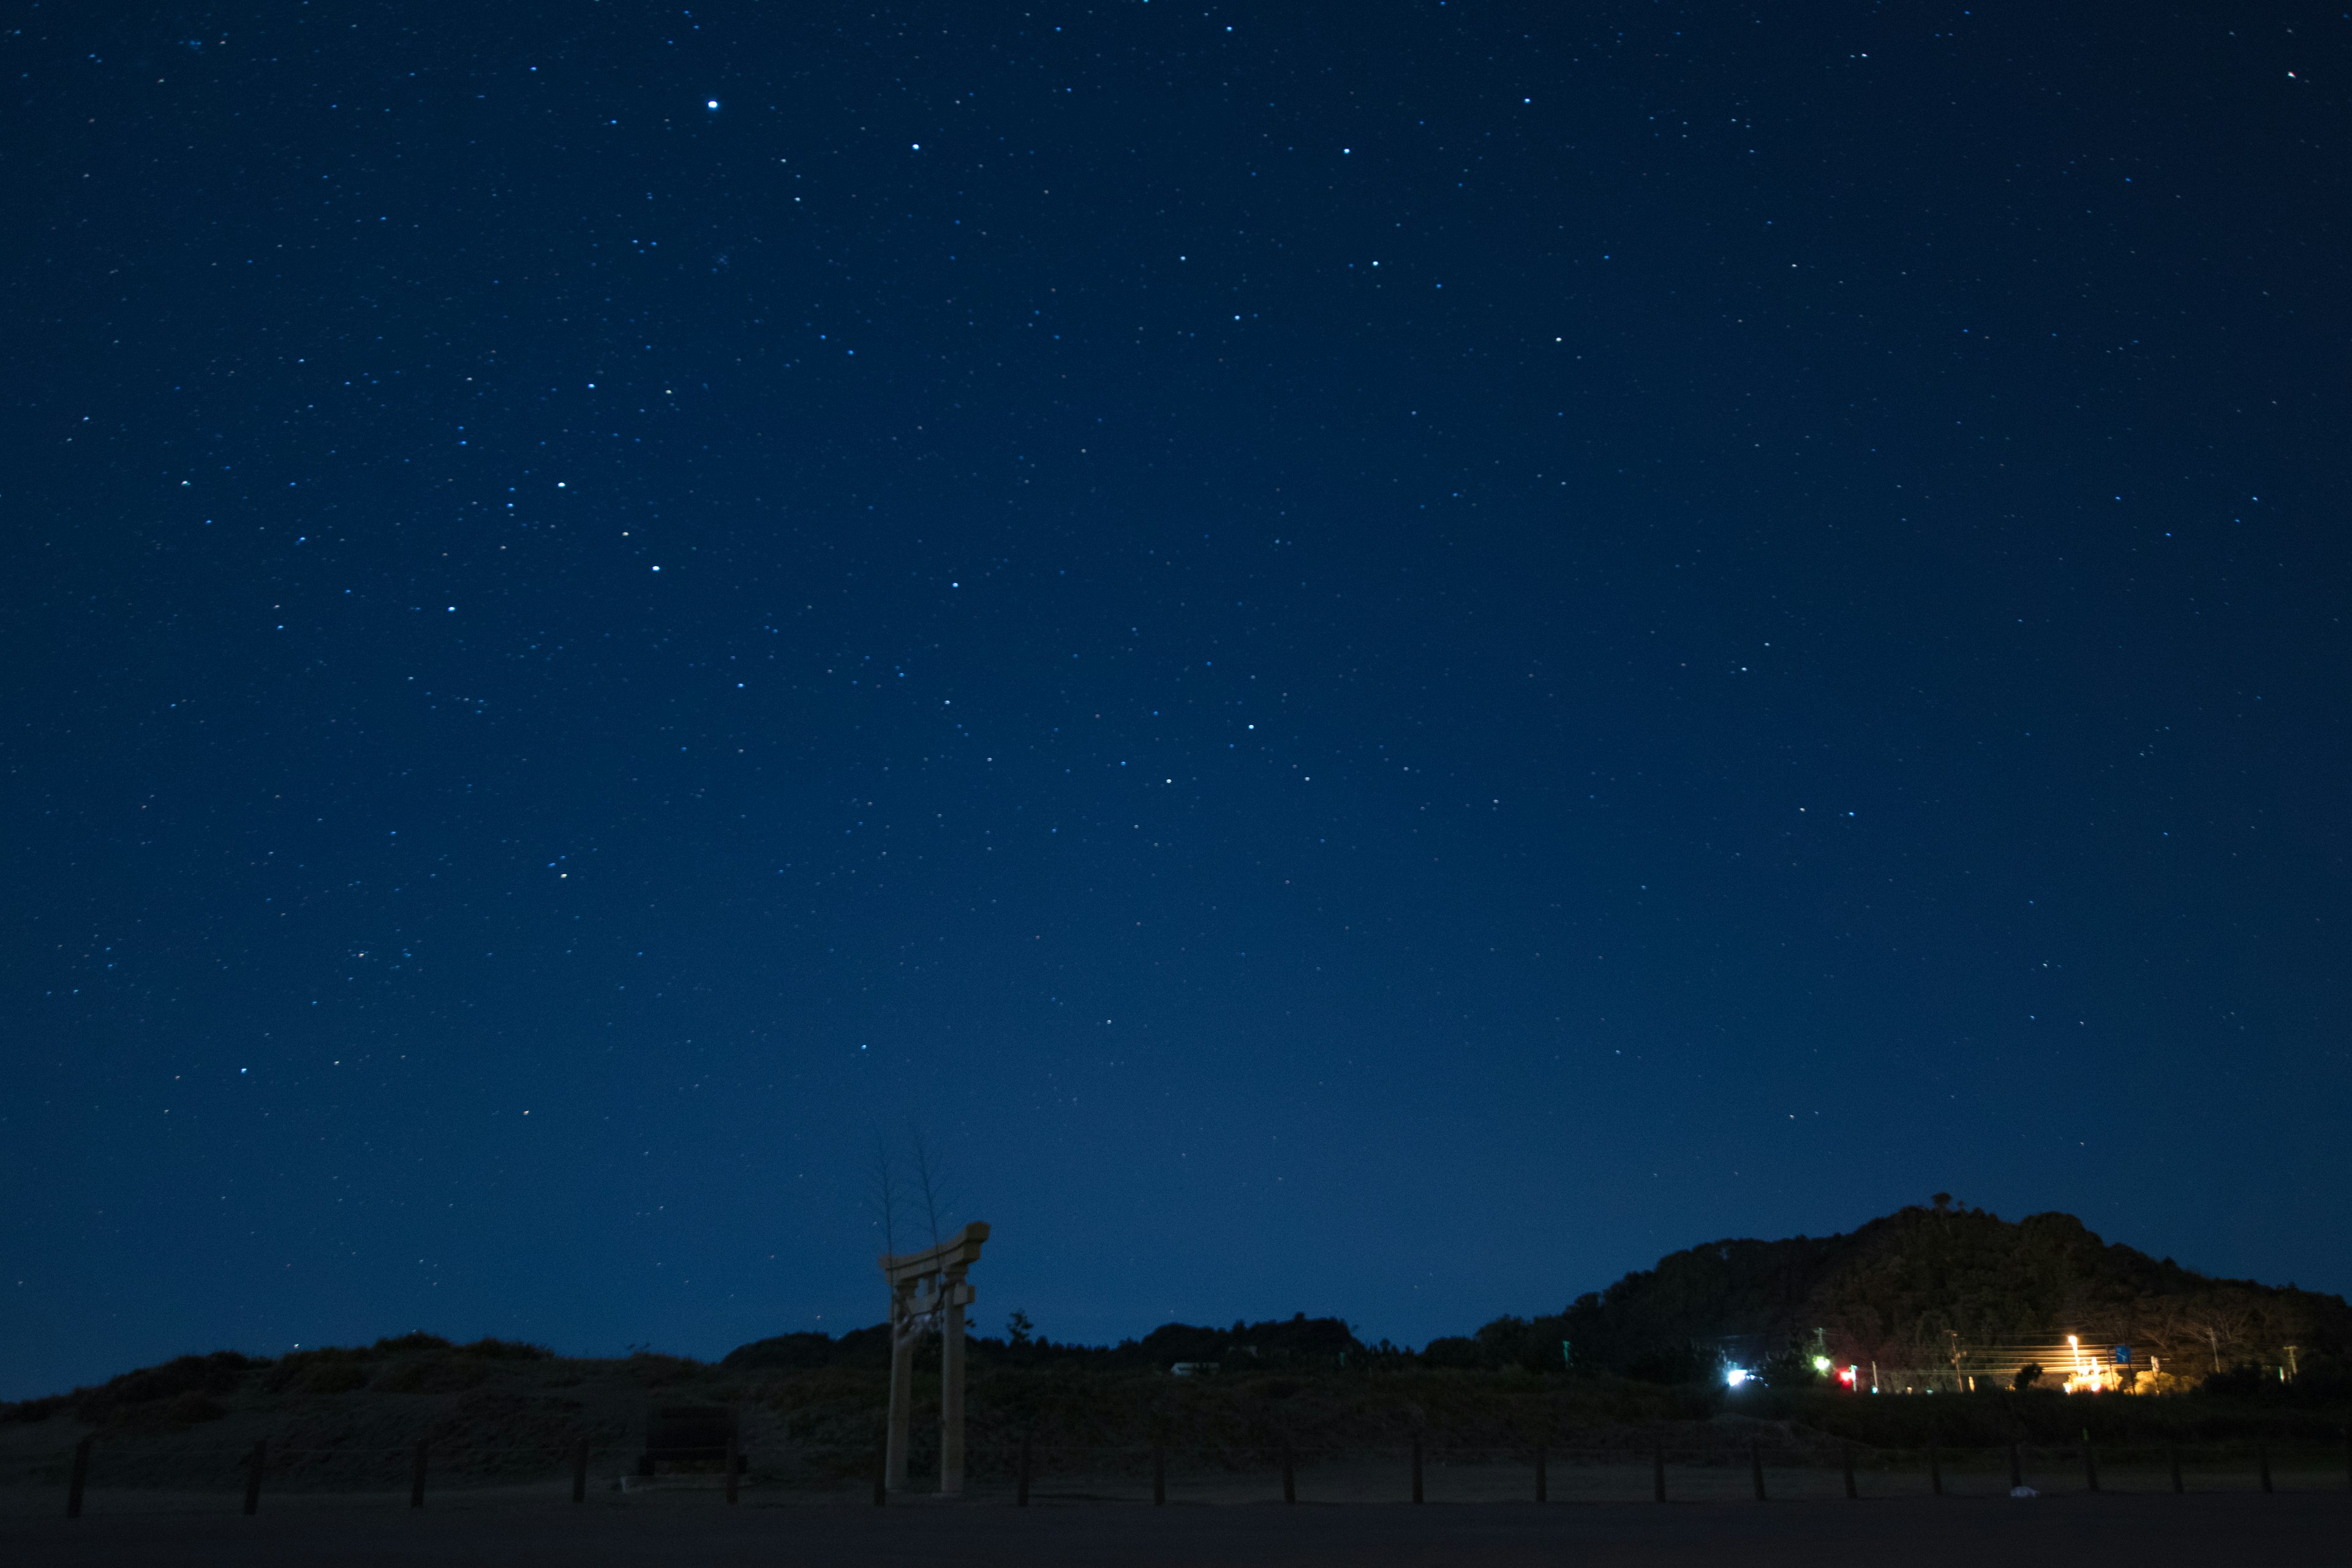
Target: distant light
{"x": 1821, "y": 1365}
{"x": 712, "y": 103}
{"x": 1733, "y": 1376}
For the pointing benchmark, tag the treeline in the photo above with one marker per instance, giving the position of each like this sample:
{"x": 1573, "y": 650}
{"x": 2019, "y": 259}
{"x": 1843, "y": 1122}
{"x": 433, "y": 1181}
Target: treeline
{"x": 191, "y": 1389}
{"x": 1906, "y": 1291}
{"x": 1299, "y": 1342}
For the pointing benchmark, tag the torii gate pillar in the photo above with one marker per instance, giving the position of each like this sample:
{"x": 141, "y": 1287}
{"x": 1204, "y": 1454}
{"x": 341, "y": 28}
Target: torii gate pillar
{"x": 928, "y": 1293}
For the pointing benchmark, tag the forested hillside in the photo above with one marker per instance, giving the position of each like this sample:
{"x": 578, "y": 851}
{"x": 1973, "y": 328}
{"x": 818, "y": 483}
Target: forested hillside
{"x": 1906, "y": 1289}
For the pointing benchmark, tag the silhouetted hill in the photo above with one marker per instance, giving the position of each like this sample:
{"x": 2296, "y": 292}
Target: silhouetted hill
{"x": 1907, "y": 1291}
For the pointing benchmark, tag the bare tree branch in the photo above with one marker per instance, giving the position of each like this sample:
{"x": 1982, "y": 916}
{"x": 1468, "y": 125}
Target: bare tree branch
{"x": 930, "y": 1185}
{"x": 882, "y": 1191}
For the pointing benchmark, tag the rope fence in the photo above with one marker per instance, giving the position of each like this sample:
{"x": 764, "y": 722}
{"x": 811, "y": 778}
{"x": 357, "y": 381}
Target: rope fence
{"x": 1022, "y": 1472}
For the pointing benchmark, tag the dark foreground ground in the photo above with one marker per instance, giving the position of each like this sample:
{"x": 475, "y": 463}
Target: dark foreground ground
{"x": 2278, "y": 1532}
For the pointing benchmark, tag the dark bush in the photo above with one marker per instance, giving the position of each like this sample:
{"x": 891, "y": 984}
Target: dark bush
{"x": 192, "y": 1408}
{"x": 143, "y": 1395}
{"x": 1792, "y": 1368}
{"x": 27, "y": 1410}
{"x": 441, "y": 1372}
{"x": 2324, "y": 1386}
{"x": 334, "y": 1377}
{"x": 1172, "y": 1342}
{"x": 507, "y": 1349}
{"x": 864, "y": 1347}
{"x": 328, "y": 1370}
{"x": 785, "y": 1352}
{"x": 1675, "y": 1363}
{"x": 655, "y": 1371}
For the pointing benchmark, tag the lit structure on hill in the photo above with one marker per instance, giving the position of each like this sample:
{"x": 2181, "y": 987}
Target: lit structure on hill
{"x": 2065, "y": 1365}
{"x": 2116, "y": 1374}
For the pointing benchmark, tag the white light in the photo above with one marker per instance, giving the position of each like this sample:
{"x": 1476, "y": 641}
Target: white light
{"x": 712, "y": 103}
{"x": 1733, "y": 1376}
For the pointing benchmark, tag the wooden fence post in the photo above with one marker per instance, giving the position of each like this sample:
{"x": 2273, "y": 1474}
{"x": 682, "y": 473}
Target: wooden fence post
{"x": 2016, "y": 1467}
{"x": 1159, "y": 1475}
{"x": 1020, "y": 1488}
{"x": 1541, "y": 1496}
{"x": 734, "y": 1454}
{"x": 80, "y": 1478}
{"x": 882, "y": 1470}
{"x": 1755, "y": 1465}
{"x": 1935, "y": 1470}
{"x": 2263, "y": 1458}
{"x": 416, "y": 1476}
{"x": 253, "y": 1464}
{"x": 1416, "y": 1467}
{"x": 1658, "y": 1475}
{"x": 1289, "y": 1477}
{"x": 2177, "y": 1487}
{"x": 2090, "y": 1465}
{"x": 580, "y": 1470}
{"x": 1849, "y": 1472}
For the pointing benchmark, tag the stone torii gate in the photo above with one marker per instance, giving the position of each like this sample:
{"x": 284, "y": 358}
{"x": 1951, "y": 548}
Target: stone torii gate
{"x": 928, "y": 1295}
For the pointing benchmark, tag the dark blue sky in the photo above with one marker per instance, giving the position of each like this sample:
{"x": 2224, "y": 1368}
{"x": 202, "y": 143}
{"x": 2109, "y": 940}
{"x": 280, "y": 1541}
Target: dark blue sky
{"x": 1380, "y": 661}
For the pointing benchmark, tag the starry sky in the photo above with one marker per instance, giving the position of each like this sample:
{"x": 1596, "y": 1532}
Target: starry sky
{"x": 1378, "y": 660}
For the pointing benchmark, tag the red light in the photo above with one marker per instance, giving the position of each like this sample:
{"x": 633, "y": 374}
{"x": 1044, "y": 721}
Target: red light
{"x": 1846, "y": 1376}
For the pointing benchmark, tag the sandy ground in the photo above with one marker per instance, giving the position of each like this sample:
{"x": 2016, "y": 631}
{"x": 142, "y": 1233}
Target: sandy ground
{"x": 2281, "y": 1530}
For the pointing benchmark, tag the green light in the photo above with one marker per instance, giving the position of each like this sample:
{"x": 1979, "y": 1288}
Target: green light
{"x": 1821, "y": 1365}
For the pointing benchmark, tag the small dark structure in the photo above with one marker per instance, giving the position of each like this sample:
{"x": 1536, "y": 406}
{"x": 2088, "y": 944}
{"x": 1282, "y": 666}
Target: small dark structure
{"x": 691, "y": 1436}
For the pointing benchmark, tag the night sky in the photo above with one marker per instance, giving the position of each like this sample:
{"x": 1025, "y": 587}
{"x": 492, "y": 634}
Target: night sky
{"x": 1377, "y": 660}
